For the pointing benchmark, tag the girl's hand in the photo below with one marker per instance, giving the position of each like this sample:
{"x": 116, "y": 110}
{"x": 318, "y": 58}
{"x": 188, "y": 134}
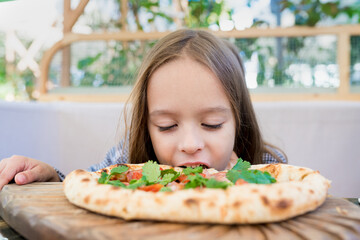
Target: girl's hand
{"x": 25, "y": 170}
{"x": 233, "y": 161}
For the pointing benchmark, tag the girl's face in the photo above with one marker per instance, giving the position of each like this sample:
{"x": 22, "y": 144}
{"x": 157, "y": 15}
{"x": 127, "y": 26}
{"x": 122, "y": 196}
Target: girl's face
{"x": 190, "y": 117}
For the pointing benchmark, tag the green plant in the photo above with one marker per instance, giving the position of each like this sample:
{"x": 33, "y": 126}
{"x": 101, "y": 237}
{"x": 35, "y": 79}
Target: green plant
{"x": 203, "y": 13}
{"x": 307, "y": 13}
{"x": 121, "y": 64}
{"x": 2, "y": 70}
{"x": 2, "y": 60}
{"x": 310, "y": 12}
{"x": 274, "y": 56}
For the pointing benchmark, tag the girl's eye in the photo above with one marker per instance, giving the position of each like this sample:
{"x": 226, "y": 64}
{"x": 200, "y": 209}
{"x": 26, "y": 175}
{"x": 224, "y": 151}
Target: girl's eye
{"x": 212, "y": 126}
{"x": 162, "y": 129}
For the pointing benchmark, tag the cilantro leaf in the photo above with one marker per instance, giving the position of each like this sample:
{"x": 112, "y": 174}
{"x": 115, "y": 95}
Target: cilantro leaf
{"x": 133, "y": 184}
{"x": 199, "y": 181}
{"x": 241, "y": 165}
{"x": 233, "y": 175}
{"x": 189, "y": 170}
{"x": 213, "y": 183}
{"x": 117, "y": 183}
{"x": 241, "y": 170}
{"x": 170, "y": 171}
{"x": 195, "y": 181}
{"x": 167, "y": 179}
{"x": 165, "y": 189}
{"x": 151, "y": 171}
{"x": 268, "y": 176}
{"x": 250, "y": 176}
{"x": 263, "y": 177}
{"x": 119, "y": 169}
{"x": 103, "y": 178}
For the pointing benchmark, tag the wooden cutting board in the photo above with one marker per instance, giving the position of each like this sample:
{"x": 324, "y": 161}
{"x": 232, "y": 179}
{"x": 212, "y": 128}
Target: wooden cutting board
{"x": 41, "y": 211}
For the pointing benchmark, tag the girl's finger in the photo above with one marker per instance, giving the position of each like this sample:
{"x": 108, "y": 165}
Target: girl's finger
{"x": 38, "y": 173}
{"x": 6, "y": 176}
{"x": 28, "y": 176}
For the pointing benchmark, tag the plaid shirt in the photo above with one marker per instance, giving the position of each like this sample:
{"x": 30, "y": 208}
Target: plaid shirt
{"x": 118, "y": 155}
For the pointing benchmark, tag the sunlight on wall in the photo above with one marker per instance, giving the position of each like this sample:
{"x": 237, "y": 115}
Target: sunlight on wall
{"x": 31, "y": 18}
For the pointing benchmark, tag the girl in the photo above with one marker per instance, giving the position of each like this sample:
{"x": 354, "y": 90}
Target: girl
{"x": 190, "y": 107}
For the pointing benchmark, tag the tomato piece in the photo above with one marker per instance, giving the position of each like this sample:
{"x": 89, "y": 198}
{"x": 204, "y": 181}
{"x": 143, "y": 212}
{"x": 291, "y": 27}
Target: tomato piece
{"x": 122, "y": 177}
{"x": 203, "y": 175}
{"x": 240, "y": 181}
{"x": 152, "y": 188}
{"x": 183, "y": 178}
{"x": 136, "y": 174}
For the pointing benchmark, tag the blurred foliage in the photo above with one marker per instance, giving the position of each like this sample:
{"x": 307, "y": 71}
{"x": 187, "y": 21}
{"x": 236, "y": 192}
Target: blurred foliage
{"x": 202, "y": 13}
{"x": 123, "y": 59}
{"x": 117, "y": 63}
{"x": 14, "y": 84}
{"x": 84, "y": 63}
{"x": 2, "y": 60}
{"x": 307, "y": 13}
{"x": 123, "y": 65}
{"x": 355, "y": 59}
{"x": 310, "y": 12}
{"x": 274, "y": 57}
{"x": 150, "y": 6}
{"x": 2, "y": 70}
{"x": 18, "y": 86}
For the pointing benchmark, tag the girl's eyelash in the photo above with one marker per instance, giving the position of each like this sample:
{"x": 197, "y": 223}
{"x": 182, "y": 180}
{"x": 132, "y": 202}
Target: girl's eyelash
{"x": 212, "y": 126}
{"x": 216, "y": 126}
{"x": 162, "y": 129}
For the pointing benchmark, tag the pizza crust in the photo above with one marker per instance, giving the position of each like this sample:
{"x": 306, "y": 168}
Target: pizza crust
{"x": 297, "y": 191}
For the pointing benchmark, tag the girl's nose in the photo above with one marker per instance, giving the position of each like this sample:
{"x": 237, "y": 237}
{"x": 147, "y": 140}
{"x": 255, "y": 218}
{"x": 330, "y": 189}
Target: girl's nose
{"x": 191, "y": 142}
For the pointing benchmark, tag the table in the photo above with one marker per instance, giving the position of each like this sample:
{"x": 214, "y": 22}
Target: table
{"x": 51, "y": 216}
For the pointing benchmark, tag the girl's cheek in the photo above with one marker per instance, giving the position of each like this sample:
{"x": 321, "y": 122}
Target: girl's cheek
{"x": 233, "y": 161}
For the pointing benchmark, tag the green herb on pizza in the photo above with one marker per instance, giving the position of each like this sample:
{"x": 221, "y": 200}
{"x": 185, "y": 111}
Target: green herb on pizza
{"x": 130, "y": 192}
{"x": 241, "y": 171}
{"x": 105, "y": 178}
{"x": 151, "y": 177}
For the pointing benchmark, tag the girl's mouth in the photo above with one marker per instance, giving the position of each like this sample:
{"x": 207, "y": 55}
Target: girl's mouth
{"x": 194, "y": 165}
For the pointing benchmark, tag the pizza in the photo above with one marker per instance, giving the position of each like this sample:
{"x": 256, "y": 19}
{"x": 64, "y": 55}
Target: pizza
{"x": 245, "y": 194}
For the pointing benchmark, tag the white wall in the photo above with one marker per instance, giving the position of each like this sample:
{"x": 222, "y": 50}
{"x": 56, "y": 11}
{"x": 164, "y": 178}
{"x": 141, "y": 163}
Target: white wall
{"x": 319, "y": 135}
{"x": 65, "y": 135}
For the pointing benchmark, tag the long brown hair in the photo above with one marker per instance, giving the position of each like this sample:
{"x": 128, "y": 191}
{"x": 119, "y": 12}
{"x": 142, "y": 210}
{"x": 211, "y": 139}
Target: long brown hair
{"x": 222, "y": 58}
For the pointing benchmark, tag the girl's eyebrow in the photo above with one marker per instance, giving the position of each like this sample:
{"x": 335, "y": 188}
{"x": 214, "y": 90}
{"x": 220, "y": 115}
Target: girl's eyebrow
{"x": 218, "y": 109}
{"x": 160, "y": 113}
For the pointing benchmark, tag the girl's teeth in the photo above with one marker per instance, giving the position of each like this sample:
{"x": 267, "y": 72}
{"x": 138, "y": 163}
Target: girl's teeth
{"x": 194, "y": 166}
{"x": 198, "y": 165}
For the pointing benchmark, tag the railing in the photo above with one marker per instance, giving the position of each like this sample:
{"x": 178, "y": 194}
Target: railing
{"x": 343, "y": 34}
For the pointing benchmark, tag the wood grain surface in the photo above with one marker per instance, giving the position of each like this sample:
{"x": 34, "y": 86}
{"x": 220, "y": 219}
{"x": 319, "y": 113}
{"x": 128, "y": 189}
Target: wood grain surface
{"x": 41, "y": 211}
